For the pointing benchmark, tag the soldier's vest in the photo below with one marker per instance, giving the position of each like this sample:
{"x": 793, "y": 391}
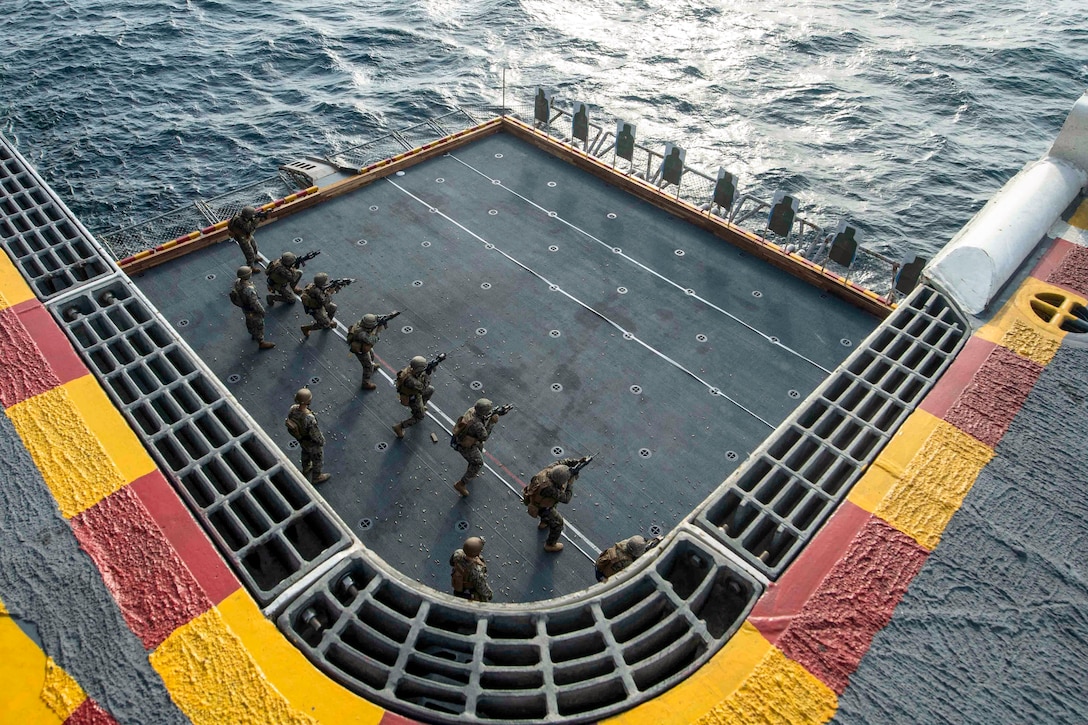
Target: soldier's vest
{"x": 458, "y": 436}
{"x": 612, "y": 560}
{"x": 311, "y": 298}
{"x": 459, "y": 565}
{"x": 277, "y": 273}
{"x": 405, "y": 393}
{"x": 531, "y": 496}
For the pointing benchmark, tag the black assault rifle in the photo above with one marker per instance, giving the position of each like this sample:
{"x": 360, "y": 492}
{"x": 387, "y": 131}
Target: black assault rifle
{"x": 335, "y": 285}
{"x": 300, "y": 262}
{"x": 503, "y": 409}
{"x": 434, "y": 363}
{"x": 383, "y": 320}
{"x": 582, "y": 463}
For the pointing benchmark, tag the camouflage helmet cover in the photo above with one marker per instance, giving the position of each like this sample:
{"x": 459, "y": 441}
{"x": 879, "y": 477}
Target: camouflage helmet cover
{"x": 304, "y": 396}
{"x": 473, "y": 546}
{"x": 418, "y": 362}
{"x": 288, "y": 258}
{"x": 245, "y": 272}
{"x": 370, "y": 321}
{"x": 483, "y": 406}
{"x": 560, "y": 474}
{"x": 248, "y": 212}
{"x": 321, "y": 279}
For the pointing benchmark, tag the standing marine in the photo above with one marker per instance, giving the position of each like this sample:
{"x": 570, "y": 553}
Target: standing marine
{"x": 553, "y": 485}
{"x": 317, "y": 301}
{"x": 469, "y": 433}
{"x": 283, "y": 278}
{"x": 302, "y": 425}
{"x": 621, "y": 555}
{"x": 414, "y": 388}
{"x": 243, "y": 294}
{"x": 241, "y": 227}
{"x": 468, "y": 571}
{"x": 362, "y": 337}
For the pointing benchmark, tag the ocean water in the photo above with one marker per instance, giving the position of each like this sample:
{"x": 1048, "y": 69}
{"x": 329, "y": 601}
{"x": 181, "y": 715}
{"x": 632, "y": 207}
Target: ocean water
{"x": 902, "y": 116}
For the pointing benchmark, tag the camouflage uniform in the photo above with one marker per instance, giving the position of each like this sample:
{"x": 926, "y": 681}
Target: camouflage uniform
{"x": 415, "y": 390}
{"x": 547, "y": 495}
{"x": 470, "y": 572}
{"x": 252, "y": 307}
{"x": 470, "y": 443}
{"x": 310, "y": 440}
{"x": 319, "y": 305}
{"x": 361, "y": 342}
{"x": 241, "y": 230}
{"x": 282, "y": 282}
{"x": 621, "y": 555}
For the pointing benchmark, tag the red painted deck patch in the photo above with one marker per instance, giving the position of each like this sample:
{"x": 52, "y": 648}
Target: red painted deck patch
{"x": 957, "y": 377}
{"x": 854, "y": 602}
{"x": 24, "y": 371}
{"x": 1072, "y": 272}
{"x": 786, "y": 598}
{"x": 90, "y": 713}
{"x": 988, "y": 405}
{"x": 186, "y": 536}
{"x": 154, "y": 589}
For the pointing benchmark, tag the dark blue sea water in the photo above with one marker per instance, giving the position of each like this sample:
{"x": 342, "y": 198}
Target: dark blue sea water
{"x": 903, "y": 116}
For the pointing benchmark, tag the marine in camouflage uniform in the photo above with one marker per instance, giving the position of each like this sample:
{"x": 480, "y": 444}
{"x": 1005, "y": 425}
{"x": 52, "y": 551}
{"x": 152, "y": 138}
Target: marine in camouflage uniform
{"x": 362, "y": 337}
{"x": 414, "y": 387}
{"x": 621, "y": 555}
{"x": 318, "y": 304}
{"x": 283, "y": 278}
{"x": 470, "y": 432}
{"x": 244, "y": 295}
{"x": 302, "y": 425}
{"x": 241, "y": 227}
{"x": 553, "y": 485}
{"x": 468, "y": 573}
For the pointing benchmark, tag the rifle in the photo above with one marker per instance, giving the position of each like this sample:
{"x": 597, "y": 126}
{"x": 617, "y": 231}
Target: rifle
{"x": 582, "y": 463}
{"x": 383, "y": 320}
{"x": 301, "y": 261}
{"x": 503, "y": 409}
{"x": 335, "y": 285}
{"x": 434, "y": 363}
{"x": 261, "y": 214}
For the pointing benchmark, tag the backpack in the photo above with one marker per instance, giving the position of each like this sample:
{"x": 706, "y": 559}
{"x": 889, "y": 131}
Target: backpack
{"x": 294, "y": 424}
{"x": 611, "y": 561}
{"x": 459, "y": 571}
{"x": 532, "y": 492}
{"x": 236, "y": 297}
{"x": 457, "y": 437}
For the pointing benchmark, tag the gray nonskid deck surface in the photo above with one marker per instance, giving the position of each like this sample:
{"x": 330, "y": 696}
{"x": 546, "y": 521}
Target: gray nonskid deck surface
{"x": 559, "y": 355}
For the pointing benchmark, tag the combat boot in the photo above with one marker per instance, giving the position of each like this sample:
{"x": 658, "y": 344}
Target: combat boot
{"x": 553, "y": 548}
{"x": 367, "y": 385}
{"x": 265, "y": 345}
{"x": 542, "y": 526}
{"x": 461, "y": 488}
{"x": 306, "y": 329}
{"x": 271, "y": 300}
{"x": 398, "y": 430}
{"x": 325, "y": 477}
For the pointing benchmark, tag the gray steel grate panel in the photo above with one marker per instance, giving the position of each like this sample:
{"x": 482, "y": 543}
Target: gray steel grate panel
{"x": 773, "y": 505}
{"x": 575, "y": 660}
{"x": 51, "y": 249}
{"x": 248, "y": 497}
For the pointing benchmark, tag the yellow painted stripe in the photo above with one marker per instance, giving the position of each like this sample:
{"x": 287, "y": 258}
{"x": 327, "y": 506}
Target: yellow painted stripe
{"x": 305, "y": 687}
{"x": 1030, "y": 342}
{"x": 886, "y": 470}
{"x": 934, "y": 483}
{"x": 707, "y": 688}
{"x": 1080, "y": 217}
{"x": 1008, "y": 326}
{"x": 120, "y": 442}
{"x": 213, "y": 678}
{"x": 35, "y": 689}
{"x": 13, "y": 289}
{"x": 66, "y": 448}
{"x": 778, "y": 690}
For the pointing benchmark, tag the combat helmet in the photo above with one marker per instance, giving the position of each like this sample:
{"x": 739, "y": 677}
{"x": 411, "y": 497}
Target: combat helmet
{"x": 304, "y": 396}
{"x": 418, "y": 363}
{"x": 483, "y": 407}
{"x": 245, "y": 272}
{"x": 559, "y": 475}
{"x": 636, "y": 546}
{"x": 321, "y": 279}
{"x": 370, "y": 321}
{"x": 473, "y": 546}
{"x": 288, "y": 259}
{"x": 248, "y": 212}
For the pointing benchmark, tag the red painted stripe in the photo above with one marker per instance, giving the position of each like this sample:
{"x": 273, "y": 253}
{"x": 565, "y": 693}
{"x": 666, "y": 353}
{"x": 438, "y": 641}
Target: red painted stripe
{"x": 24, "y": 370}
{"x": 1072, "y": 272}
{"x": 993, "y": 398}
{"x": 854, "y": 602}
{"x": 185, "y": 535}
{"x": 90, "y": 712}
{"x": 786, "y": 598}
{"x": 391, "y": 718}
{"x": 52, "y": 341}
{"x": 150, "y": 583}
{"x": 1051, "y": 260}
{"x": 957, "y": 377}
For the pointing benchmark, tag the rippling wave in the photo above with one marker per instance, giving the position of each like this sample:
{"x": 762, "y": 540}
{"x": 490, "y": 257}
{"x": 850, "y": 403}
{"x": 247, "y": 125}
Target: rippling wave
{"x": 903, "y": 117}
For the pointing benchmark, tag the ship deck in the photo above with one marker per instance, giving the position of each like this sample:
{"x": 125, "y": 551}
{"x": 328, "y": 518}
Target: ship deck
{"x": 613, "y": 329}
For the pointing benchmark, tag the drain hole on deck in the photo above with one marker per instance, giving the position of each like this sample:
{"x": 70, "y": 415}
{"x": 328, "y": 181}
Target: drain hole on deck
{"x": 731, "y": 455}
{"x": 297, "y": 240}
{"x": 381, "y": 446}
{"x": 794, "y": 394}
{"x": 757, "y": 293}
{"x": 628, "y": 336}
{"x": 553, "y": 248}
{"x": 555, "y": 333}
{"x": 292, "y": 444}
{"x": 425, "y": 244}
{"x": 315, "y": 380}
{"x": 485, "y": 285}
{"x": 557, "y": 451}
{"x": 407, "y": 329}
{"x": 183, "y": 323}
{"x": 700, "y": 337}
{"x": 622, "y": 290}
{"x": 462, "y": 525}
{"x": 366, "y": 523}
{"x": 492, "y": 212}
{"x": 611, "y": 215}
{"x": 476, "y": 385}
{"x": 210, "y": 277}
{"x": 679, "y": 252}
{"x": 481, "y": 331}
{"x": 845, "y": 342}
{"x": 360, "y": 243}
{"x": 636, "y": 389}
{"x": 417, "y": 283}
{"x": 233, "y": 378}
{"x": 557, "y": 387}
{"x": 645, "y": 452}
